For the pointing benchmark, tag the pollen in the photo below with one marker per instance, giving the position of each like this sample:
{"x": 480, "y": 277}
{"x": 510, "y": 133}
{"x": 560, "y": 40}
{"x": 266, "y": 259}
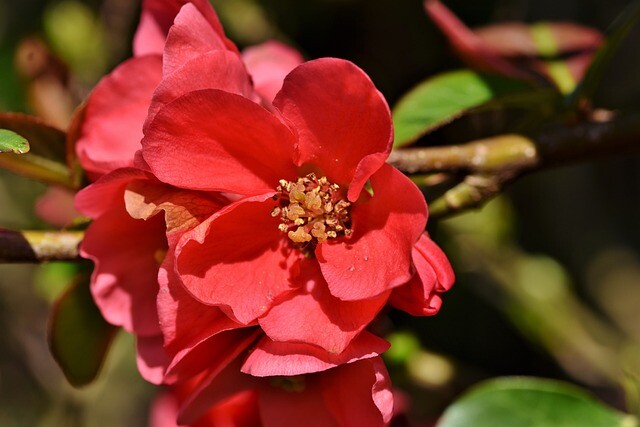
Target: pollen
{"x": 311, "y": 211}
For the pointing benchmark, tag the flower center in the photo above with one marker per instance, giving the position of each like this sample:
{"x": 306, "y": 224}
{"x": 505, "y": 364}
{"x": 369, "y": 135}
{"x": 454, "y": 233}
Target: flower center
{"x": 312, "y": 210}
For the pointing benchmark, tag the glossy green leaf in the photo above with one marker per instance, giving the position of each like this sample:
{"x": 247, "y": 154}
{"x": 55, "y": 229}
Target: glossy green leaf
{"x": 44, "y": 139}
{"x": 445, "y": 97}
{"x": 615, "y": 35}
{"x": 47, "y": 157}
{"x": 79, "y": 337}
{"x": 531, "y": 402}
{"x": 11, "y": 142}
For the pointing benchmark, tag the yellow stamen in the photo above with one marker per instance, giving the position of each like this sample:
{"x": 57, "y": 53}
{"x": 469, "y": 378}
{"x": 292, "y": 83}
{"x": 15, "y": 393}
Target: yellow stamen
{"x": 315, "y": 207}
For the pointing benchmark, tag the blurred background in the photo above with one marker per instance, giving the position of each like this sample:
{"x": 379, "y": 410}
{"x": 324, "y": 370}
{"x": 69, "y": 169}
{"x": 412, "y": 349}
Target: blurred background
{"x": 548, "y": 275}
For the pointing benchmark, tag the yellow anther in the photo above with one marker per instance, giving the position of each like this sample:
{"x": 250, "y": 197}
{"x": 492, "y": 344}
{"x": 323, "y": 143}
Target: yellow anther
{"x": 299, "y": 236}
{"x": 313, "y": 202}
{"x": 294, "y": 211}
{"x": 315, "y": 207}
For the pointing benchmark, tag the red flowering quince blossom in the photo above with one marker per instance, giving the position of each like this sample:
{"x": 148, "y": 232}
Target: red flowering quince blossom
{"x": 249, "y": 233}
{"x": 324, "y": 231}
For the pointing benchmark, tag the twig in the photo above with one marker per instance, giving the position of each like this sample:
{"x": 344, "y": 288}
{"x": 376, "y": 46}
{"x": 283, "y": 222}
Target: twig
{"x": 491, "y": 164}
{"x": 39, "y": 246}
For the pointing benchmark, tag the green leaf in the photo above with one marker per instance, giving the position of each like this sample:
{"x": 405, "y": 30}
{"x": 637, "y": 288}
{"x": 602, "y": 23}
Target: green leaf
{"x": 615, "y": 35}
{"x": 530, "y": 402}
{"x": 46, "y": 160}
{"x": 44, "y": 139}
{"x": 11, "y": 142}
{"x": 443, "y": 98}
{"x": 79, "y": 337}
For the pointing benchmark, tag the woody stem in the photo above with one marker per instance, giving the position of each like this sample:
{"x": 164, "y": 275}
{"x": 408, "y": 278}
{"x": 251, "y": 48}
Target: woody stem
{"x": 487, "y": 166}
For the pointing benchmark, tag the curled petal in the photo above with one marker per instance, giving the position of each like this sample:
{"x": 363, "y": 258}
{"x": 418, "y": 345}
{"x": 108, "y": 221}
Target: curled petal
{"x": 343, "y": 122}
{"x": 431, "y": 252}
{"x": 378, "y": 255}
{"x": 100, "y": 197}
{"x": 182, "y": 209}
{"x": 434, "y": 275}
{"x": 235, "y": 145}
{"x": 312, "y": 315}
{"x": 271, "y": 358}
{"x": 238, "y": 259}
{"x": 359, "y": 394}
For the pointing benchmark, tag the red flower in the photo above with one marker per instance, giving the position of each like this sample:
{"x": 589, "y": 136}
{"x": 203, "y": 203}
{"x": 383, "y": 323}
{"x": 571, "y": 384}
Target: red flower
{"x": 308, "y": 251}
{"x": 249, "y": 234}
{"x": 351, "y": 395}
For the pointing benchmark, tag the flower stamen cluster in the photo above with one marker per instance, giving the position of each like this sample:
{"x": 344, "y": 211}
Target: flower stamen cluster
{"x": 312, "y": 210}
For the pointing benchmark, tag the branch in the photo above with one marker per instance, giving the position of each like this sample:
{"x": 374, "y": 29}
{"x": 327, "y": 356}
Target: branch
{"x": 39, "y": 246}
{"x": 489, "y": 165}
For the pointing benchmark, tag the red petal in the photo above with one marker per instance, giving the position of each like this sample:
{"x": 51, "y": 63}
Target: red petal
{"x": 194, "y": 333}
{"x": 271, "y": 358}
{"x": 359, "y": 394}
{"x": 190, "y": 36}
{"x": 164, "y": 411}
{"x": 239, "y": 410}
{"x": 151, "y": 358}
{"x": 283, "y": 408}
{"x": 434, "y": 275}
{"x": 182, "y": 209}
{"x": 378, "y": 255}
{"x": 415, "y": 297}
{"x": 214, "y": 353}
{"x": 216, "y": 386}
{"x": 312, "y": 315}
{"x": 341, "y": 119}
{"x": 238, "y": 258}
{"x": 214, "y": 140}
{"x": 157, "y": 18}
{"x": 115, "y": 113}
{"x": 101, "y": 196}
{"x": 269, "y": 63}
{"x": 219, "y": 69}
{"x": 150, "y": 36}
{"x": 56, "y": 206}
{"x": 184, "y": 321}
{"x": 124, "y": 282}
{"x": 428, "y": 249}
